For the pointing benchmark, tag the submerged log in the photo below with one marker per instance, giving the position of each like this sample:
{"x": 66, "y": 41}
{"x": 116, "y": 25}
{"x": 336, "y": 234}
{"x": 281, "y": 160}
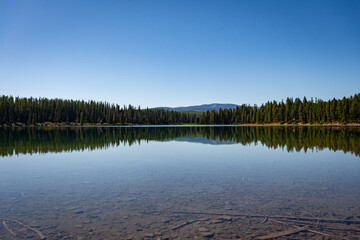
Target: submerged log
{"x": 7, "y": 228}
{"x": 184, "y": 224}
{"x": 283, "y": 233}
{"x": 41, "y": 236}
{"x": 188, "y": 223}
{"x": 306, "y": 219}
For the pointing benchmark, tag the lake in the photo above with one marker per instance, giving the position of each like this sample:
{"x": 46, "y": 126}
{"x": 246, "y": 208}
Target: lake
{"x": 176, "y": 182}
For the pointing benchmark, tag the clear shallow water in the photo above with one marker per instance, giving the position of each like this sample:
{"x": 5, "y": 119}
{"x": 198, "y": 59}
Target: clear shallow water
{"x": 119, "y": 183}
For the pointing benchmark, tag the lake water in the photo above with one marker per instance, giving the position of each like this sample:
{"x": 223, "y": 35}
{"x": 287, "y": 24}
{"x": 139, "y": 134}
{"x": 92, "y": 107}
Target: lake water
{"x": 194, "y": 182}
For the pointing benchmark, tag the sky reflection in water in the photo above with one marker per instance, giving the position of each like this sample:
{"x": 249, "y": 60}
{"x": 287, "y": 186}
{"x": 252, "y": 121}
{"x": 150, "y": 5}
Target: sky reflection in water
{"x": 173, "y": 170}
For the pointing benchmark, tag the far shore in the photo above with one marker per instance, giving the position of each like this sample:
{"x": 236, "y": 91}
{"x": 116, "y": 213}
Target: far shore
{"x": 73, "y": 124}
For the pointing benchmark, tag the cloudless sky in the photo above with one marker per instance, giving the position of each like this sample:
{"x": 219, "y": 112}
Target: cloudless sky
{"x": 178, "y": 53}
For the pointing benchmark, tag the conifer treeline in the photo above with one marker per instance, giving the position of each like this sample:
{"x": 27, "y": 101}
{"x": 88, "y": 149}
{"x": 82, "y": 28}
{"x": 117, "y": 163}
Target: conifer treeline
{"x": 41, "y": 110}
{"x": 346, "y": 110}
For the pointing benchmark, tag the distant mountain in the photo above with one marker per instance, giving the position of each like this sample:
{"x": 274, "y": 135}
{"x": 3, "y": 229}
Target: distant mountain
{"x": 201, "y": 108}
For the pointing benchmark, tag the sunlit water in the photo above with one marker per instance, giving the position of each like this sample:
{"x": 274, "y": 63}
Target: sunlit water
{"x": 135, "y": 183}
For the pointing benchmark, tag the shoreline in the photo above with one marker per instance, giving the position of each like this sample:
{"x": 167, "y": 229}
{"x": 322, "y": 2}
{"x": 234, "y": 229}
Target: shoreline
{"x": 182, "y": 125}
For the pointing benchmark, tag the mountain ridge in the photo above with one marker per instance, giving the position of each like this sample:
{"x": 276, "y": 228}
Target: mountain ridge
{"x": 200, "y": 108}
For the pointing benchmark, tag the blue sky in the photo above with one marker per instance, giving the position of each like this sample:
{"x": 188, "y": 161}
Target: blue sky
{"x": 177, "y": 53}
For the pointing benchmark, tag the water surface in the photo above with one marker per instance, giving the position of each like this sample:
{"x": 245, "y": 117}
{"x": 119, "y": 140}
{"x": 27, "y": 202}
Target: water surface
{"x": 146, "y": 182}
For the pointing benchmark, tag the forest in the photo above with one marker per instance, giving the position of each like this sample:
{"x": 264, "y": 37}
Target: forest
{"x": 16, "y": 111}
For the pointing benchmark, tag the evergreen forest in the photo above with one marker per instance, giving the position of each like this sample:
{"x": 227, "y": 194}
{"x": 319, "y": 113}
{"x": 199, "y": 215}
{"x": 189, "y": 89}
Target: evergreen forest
{"x": 43, "y": 111}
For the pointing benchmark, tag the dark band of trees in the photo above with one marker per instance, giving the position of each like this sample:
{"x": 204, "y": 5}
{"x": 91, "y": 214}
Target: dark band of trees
{"x": 30, "y": 111}
{"x": 59, "y": 139}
